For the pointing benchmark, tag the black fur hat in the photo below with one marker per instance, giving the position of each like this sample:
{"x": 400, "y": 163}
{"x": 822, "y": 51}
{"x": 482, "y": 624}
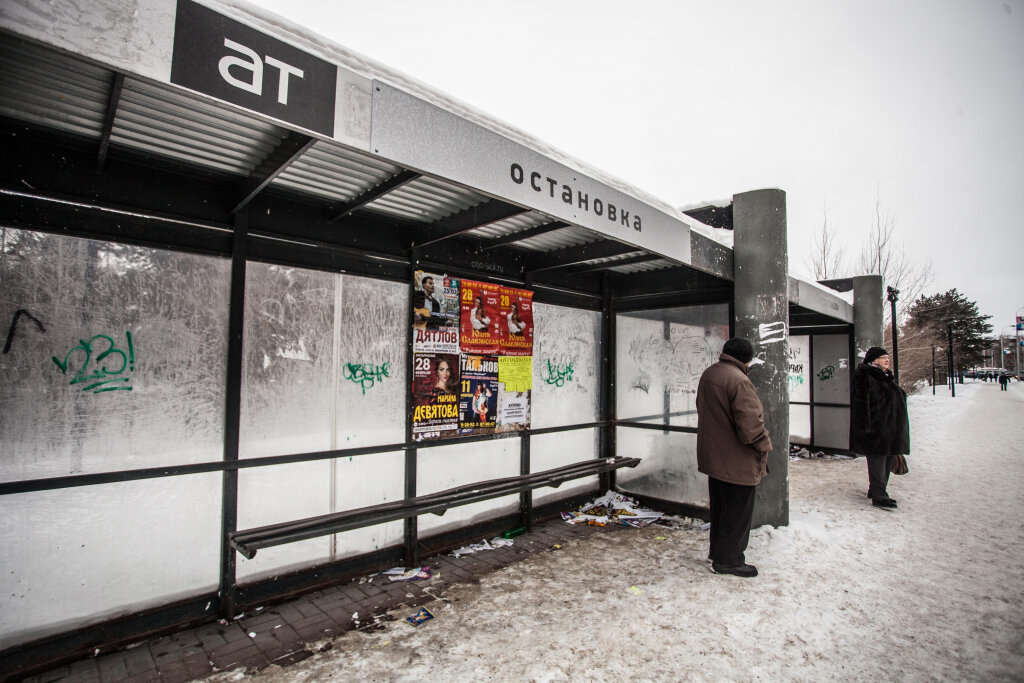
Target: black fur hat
{"x": 874, "y": 353}
{"x": 740, "y": 349}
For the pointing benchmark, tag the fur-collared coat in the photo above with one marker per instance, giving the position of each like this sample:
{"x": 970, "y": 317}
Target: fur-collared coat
{"x": 879, "y": 424}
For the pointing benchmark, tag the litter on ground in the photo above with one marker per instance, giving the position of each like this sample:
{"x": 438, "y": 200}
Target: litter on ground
{"x": 493, "y": 544}
{"x": 613, "y": 508}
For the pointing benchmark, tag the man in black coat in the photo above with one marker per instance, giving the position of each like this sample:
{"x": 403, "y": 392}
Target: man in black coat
{"x": 879, "y": 424}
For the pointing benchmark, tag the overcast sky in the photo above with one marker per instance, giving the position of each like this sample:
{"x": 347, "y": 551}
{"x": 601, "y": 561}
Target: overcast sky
{"x": 918, "y": 104}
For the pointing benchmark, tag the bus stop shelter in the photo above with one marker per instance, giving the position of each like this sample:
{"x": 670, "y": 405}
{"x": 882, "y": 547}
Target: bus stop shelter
{"x": 216, "y": 229}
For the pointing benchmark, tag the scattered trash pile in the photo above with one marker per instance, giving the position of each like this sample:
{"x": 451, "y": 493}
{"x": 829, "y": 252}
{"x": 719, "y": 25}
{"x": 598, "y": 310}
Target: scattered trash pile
{"x": 613, "y": 508}
{"x": 797, "y": 452}
{"x": 493, "y": 544}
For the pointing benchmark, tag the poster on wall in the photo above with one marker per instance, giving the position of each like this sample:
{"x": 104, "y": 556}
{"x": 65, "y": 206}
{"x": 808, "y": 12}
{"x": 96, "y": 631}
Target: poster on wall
{"x": 478, "y": 394}
{"x": 480, "y": 330}
{"x": 515, "y": 385}
{"x": 517, "y": 321}
{"x": 435, "y": 302}
{"x": 435, "y": 385}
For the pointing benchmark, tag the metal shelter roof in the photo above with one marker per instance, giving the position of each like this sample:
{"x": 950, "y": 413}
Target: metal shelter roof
{"x": 394, "y": 171}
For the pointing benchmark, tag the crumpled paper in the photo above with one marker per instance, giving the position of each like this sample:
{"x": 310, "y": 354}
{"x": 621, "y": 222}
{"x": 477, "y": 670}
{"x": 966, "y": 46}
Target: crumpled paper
{"x": 613, "y": 508}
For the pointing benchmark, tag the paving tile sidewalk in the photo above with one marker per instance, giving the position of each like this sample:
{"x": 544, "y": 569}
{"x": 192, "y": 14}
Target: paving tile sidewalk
{"x": 289, "y": 632}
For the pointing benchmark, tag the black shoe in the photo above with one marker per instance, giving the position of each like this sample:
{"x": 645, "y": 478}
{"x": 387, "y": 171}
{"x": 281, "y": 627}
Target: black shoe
{"x": 884, "y": 503}
{"x": 747, "y": 571}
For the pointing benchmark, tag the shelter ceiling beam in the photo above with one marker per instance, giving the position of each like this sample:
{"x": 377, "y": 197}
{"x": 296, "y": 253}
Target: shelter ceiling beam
{"x": 524, "y": 235}
{"x": 284, "y": 155}
{"x": 468, "y": 220}
{"x": 390, "y": 185}
{"x": 108, "y": 120}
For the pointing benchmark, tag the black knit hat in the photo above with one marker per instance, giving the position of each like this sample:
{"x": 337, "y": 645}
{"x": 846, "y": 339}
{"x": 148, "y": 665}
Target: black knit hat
{"x": 873, "y": 353}
{"x": 740, "y": 349}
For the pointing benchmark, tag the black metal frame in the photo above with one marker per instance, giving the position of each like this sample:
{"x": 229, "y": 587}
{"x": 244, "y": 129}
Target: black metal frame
{"x": 812, "y": 332}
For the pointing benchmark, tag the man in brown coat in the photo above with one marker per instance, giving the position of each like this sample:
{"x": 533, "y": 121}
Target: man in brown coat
{"x": 732, "y": 449}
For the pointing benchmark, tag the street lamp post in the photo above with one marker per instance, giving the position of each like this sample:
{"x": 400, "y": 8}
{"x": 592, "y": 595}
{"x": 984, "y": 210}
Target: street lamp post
{"x": 1020, "y": 326}
{"x": 933, "y": 369}
{"x": 891, "y": 295}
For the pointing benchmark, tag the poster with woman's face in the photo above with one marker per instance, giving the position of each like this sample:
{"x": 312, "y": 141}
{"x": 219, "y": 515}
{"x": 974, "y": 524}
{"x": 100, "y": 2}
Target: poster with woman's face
{"x": 435, "y": 390}
{"x": 517, "y": 319}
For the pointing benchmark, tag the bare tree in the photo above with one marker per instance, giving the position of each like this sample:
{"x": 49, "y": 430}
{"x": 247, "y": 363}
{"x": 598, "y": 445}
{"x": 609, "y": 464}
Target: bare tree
{"x": 883, "y": 255}
{"x": 826, "y": 256}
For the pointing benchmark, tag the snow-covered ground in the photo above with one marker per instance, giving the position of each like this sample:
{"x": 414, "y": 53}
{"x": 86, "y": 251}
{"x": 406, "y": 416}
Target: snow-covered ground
{"x": 932, "y": 591}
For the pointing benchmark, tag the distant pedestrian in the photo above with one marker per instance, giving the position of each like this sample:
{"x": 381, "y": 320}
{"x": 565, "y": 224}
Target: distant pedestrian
{"x": 879, "y": 424}
{"x": 1004, "y": 380}
{"x": 732, "y": 449}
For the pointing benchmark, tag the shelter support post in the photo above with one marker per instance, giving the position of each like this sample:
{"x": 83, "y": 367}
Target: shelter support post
{"x": 762, "y": 316}
{"x": 868, "y": 313}
{"x": 232, "y": 418}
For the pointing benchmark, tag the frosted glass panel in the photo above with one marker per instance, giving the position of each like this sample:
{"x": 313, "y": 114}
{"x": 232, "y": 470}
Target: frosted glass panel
{"x": 287, "y": 390}
{"x": 445, "y": 467}
{"x": 548, "y": 451}
{"x": 668, "y": 469}
{"x": 82, "y": 555}
{"x": 369, "y": 480}
{"x": 324, "y": 370}
{"x": 800, "y": 424}
{"x": 373, "y": 341}
{"x": 660, "y": 356}
{"x": 799, "y": 369}
{"x": 831, "y": 427}
{"x": 117, "y": 356}
{"x": 831, "y": 369}
{"x": 566, "y": 371}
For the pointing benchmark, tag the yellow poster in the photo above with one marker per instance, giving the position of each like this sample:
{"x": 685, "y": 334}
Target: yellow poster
{"x": 516, "y": 372}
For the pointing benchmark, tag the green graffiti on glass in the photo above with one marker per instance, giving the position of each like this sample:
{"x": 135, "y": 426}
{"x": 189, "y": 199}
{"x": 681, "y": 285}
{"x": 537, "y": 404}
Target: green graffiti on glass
{"x": 826, "y": 373}
{"x": 556, "y": 373}
{"x": 101, "y": 377}
{"x": 366, "y": 374}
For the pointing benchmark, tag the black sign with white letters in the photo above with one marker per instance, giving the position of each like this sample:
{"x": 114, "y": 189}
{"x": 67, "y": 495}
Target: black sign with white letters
{"x": 221, "y": 57}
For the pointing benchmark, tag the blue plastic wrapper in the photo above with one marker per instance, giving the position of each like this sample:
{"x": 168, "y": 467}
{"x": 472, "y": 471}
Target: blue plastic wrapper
{"x": 421, "y": 616}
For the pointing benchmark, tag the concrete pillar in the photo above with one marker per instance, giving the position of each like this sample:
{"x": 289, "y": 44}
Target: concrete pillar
{"x": 868, "y": 315}
{"x": 761, "y": 286}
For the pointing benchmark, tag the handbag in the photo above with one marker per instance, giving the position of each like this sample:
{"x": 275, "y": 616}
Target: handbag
{"x": 899, "y": 465}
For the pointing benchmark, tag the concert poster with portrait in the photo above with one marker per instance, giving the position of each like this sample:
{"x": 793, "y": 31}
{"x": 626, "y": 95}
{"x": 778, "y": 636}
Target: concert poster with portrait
{"x": 435, "y": 393}
{"x": 517, "y": 321}
{"x": 435, "y": 312}
{"x": 478, "y": 394}
{"x": 481, "y": 330}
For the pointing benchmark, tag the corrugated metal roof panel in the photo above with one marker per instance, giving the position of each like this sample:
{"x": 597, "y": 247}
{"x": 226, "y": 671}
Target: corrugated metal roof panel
{"x": 426, "y": 200}
{"x": 334, "y": 172}
{"x": 523, "y": 221}
{"x": 52, "y": 89}
{"x": 173, "y": 123}
{"x": 571, "y": 236}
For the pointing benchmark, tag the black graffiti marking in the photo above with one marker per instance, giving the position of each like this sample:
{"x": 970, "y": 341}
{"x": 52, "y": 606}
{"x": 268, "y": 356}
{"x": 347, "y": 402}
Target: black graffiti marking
{"x": 14, "y": 324}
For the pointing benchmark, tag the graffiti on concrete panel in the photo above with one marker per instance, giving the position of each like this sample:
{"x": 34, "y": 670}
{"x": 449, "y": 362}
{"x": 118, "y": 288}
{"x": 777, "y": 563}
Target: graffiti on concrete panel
{"x": 826, "y": 373}
{"x": 772, "y": 333}
{"x": 14, "y": 326}
{"x": 556, "y": 373}
{"x": 366, "y": 375}
{"x": 100, "y": 373}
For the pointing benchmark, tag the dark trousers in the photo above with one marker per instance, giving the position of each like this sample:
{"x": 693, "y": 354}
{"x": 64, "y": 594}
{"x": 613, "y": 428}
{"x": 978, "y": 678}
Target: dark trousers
{"x": 732, "y": 508}
{"x": 878, "y": 475}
